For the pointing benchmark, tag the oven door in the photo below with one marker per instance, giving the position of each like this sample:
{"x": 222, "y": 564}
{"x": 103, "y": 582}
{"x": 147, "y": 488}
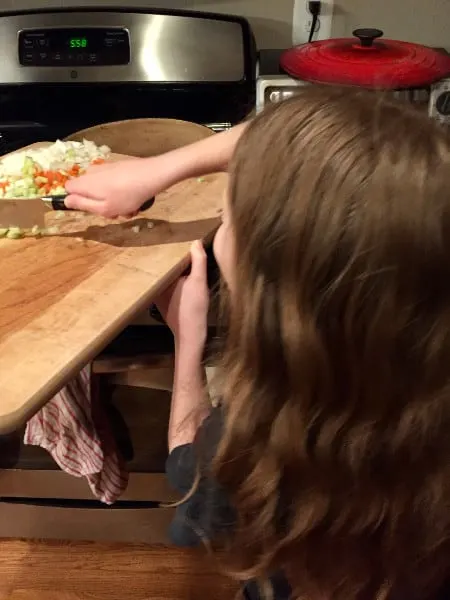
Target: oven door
{"x": 46, "y": 112}
{"x": 18, "y": 134}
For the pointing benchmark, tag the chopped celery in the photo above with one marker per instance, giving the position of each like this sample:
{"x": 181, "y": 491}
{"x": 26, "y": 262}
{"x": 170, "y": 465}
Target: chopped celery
{"x": 28, "y": 166}
{"x": 14, "y": 233}
{"x": 51, "y": 230}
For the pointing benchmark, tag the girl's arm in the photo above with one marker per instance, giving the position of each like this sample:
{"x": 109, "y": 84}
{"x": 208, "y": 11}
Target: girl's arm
{"x": 184, "y": 307}
{"x": 120, "y": 189}
{"x": 190, "y": 402}
{"x": 209, "y": 155}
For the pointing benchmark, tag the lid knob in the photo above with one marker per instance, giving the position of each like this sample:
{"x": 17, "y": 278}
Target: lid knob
{"x": 367, "y": 36}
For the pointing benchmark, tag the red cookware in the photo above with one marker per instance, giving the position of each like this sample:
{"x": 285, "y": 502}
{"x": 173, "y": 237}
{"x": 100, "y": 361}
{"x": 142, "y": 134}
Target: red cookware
{"x": 366, "y": 61}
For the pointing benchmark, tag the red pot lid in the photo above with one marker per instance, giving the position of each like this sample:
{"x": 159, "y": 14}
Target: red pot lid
{"x": 366, "y": 62}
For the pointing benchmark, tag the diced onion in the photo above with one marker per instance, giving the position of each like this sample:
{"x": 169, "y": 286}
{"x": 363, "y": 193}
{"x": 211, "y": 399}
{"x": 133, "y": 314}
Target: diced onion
{"x": 44, "y": 171}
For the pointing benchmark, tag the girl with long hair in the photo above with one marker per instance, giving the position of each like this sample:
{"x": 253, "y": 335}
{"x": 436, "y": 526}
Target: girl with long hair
{"x": 324, "y": 473}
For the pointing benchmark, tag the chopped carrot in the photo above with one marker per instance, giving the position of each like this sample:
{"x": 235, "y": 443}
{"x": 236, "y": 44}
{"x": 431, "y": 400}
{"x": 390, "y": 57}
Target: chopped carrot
{"x": 98, "y": 161}
{"x": 56, "y": 178}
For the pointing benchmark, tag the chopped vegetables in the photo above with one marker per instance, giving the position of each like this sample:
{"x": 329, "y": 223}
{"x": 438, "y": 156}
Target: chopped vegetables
{"x": 14, "y": 233}
{"x": 45, "y": 171}
{"x": 17, "y": 233}
{"x": 52, "y": 230}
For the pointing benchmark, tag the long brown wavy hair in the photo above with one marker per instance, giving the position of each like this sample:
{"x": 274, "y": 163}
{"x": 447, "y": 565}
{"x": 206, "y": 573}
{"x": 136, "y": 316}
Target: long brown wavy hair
{"x": 336, "y": 446}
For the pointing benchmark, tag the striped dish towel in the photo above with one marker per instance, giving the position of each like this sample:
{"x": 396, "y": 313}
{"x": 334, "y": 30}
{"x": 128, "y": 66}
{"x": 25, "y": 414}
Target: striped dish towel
{"x": 73, "y": 428}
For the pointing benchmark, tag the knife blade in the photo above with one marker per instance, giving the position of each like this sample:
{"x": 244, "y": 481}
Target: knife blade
{"x": 29, "y": 212}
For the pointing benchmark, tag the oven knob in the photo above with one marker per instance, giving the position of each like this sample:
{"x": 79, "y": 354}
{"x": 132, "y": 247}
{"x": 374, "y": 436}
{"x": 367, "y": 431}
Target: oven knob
{"x": 275, "y": 97}
{"x": 443, "y": 103}
{"x": 279, "y": 95}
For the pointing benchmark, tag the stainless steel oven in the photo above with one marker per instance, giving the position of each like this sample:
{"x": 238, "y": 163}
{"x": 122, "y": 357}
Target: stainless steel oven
{"x": 65, "y": 70}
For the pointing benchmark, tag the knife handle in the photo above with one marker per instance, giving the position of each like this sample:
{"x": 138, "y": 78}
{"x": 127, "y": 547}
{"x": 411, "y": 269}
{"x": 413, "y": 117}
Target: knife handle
{"x": 57, "y": 203}
{"x": 147, "y": 204}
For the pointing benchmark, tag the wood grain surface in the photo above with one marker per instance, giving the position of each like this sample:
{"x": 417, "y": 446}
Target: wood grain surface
{"x": 89, "y": 571}
{"x": 143, "y": 137}
{"x": 64, "y": 297}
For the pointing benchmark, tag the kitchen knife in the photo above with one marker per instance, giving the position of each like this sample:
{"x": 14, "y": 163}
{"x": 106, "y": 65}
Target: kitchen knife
{"x": 28, "y": 212}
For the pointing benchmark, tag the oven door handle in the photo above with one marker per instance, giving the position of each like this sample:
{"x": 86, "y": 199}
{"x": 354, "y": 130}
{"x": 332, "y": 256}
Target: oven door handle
{"x": 14, "y": 125}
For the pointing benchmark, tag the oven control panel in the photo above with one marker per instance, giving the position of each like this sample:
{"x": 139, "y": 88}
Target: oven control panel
{"x": 74, "y": 47}
{"x": 115, "y": 46}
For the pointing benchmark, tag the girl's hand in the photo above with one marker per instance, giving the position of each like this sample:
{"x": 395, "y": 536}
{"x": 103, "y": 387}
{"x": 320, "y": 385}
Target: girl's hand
{"x": 184, "y": 305}
{"x": 120, "y": 188}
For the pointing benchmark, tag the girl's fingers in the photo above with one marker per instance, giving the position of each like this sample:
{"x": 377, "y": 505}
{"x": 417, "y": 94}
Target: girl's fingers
{"x": 77, "y": 202}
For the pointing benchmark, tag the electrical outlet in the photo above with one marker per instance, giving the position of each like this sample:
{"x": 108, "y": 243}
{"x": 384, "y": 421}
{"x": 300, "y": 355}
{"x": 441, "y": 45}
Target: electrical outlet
{"x": 302, "y": 22}
{"x": 308, "y": 25}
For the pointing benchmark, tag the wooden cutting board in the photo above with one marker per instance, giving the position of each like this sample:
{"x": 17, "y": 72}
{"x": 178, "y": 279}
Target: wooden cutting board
{"x": 64, "y": 297}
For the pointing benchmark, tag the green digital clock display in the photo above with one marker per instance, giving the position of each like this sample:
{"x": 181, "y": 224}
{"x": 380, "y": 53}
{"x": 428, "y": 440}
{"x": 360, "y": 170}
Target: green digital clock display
{"x": 78, "y": 42}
